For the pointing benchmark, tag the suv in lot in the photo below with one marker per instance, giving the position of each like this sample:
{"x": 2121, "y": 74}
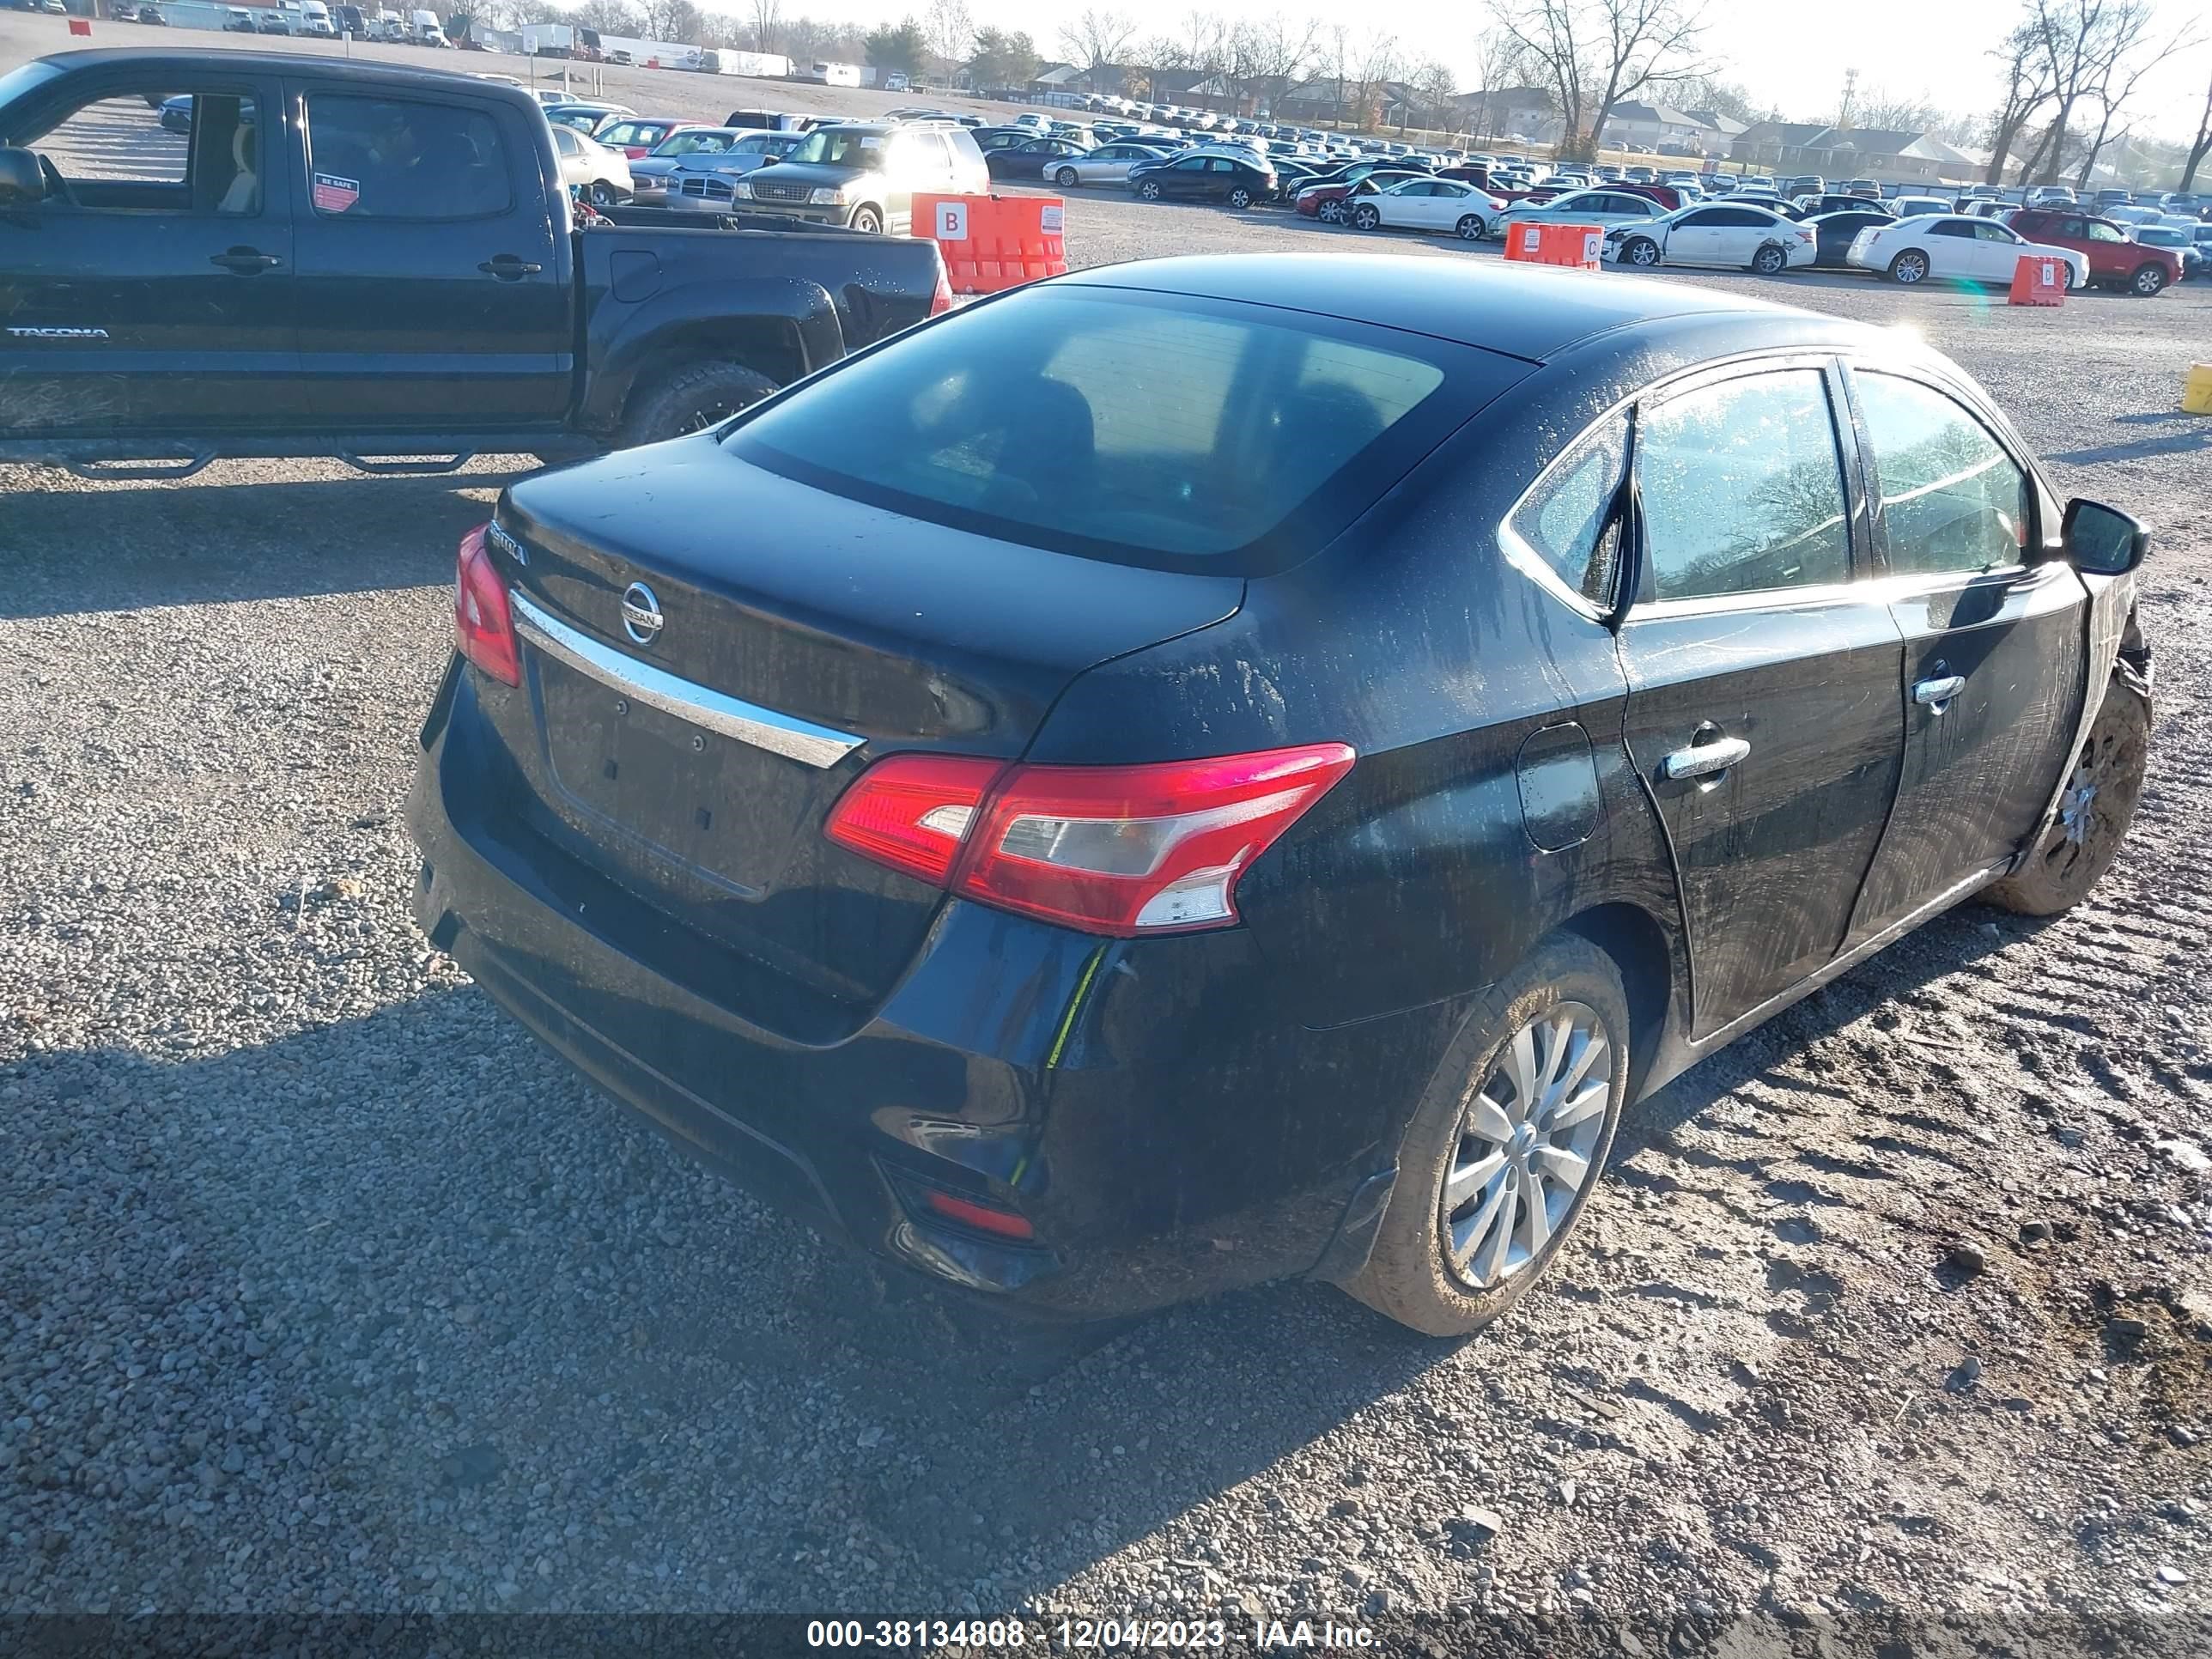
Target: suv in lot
{"x": 865, "y": 175}
{"x": 2116, "y": 259}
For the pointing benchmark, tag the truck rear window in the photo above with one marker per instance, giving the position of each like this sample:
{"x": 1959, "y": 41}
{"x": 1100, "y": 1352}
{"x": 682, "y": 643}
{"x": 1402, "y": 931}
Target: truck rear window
{"x": 1145, "y": 429}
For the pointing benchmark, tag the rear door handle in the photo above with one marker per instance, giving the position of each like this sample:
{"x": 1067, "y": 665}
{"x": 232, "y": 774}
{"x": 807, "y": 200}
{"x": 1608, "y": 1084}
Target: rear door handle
{"x": 1703, "y": 760}
{"x": 245, "y": 260}
{"x": 1934, "y": 694}
{"x": 507, "y": 268}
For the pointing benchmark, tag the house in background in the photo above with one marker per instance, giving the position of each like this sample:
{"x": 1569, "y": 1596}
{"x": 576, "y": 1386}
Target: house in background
{"x": 1652, "y": 128}
{"x": 1525, "y": 115}
{"x": 1718, "y": 132}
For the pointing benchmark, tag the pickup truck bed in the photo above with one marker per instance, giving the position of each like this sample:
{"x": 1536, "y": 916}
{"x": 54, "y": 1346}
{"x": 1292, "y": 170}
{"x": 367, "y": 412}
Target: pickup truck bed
{"x": 383, "y": 292}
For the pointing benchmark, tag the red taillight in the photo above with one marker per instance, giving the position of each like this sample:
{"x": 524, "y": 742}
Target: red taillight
{"x": 984, "y": 1217}
{"x": 483, "y": 627}
{"x": 913, "y": 812}
{"x": 940, "y": 301}
{"x": 1120, "y": 850}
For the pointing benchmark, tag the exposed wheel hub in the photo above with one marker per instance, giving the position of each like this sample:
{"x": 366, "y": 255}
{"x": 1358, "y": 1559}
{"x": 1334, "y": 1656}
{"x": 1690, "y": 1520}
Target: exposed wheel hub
{"x": 2074, "y": 807}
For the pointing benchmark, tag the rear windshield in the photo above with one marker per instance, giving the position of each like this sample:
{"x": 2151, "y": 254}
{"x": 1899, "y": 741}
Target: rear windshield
{"x": 1154, "y": 430}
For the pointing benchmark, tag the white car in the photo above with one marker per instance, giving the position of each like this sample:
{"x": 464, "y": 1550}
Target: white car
{"x": 1917, "y": 207}
{"x": 1432, "y": 204}
{"x": 1954, "y": 249}
{"x": 1109, "y": 164}
{"x": 1718, "y": 233}
{"x": 1602, "y": 208}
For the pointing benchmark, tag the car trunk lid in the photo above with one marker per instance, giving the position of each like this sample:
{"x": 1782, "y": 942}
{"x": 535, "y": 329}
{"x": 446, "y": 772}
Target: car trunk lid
{"x": 801, "y": 636}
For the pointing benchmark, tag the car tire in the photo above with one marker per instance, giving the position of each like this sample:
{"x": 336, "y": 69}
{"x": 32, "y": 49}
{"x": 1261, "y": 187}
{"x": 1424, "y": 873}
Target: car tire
{"x": 2147, "y": 280}
{"x": 1408, "y": 1275}
{"x": 1150, "y": 190}
{"x": 602, "y": 194}
{"x": 1641, "y": 251}
{"x": 1330, "y": 213}
{"x": 2098, "y": 806}
{"x": 1366, "y": 218}
{"x": 1908, "y": 267}
{"x": 690, "y": 399}
{"x": 1065, "y": 178}
{"x": 866, "y": 219}
{"x": 1240, "y": 198}
{"x": 1770, "y": 261}
{"x": 1470, "y": 229}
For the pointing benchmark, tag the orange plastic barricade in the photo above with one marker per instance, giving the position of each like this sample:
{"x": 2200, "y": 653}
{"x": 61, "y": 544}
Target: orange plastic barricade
{"x": 80, "y": 26}
{"x": 2038, "y": 279}
{"x": 1578, "y": 245}
{"x": 995, "y": 242}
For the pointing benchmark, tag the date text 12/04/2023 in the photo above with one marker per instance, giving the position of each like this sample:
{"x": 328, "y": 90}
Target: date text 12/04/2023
{"x": 1085, "y": 1635}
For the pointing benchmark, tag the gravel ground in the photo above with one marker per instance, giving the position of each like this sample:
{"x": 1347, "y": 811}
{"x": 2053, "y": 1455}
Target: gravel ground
{"x": 323, "y": 1288}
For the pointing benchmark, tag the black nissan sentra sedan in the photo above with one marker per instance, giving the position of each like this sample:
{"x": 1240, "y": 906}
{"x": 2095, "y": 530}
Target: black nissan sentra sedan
{"x": 1210, "y": 770}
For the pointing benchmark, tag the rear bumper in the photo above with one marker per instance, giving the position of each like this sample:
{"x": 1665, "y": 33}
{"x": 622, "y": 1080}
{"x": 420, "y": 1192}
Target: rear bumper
{"x": 1165, "y": 1138}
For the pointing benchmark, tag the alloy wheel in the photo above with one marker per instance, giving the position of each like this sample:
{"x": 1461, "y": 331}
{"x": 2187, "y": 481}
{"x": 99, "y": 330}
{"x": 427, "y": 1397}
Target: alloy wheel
{"x": 1643, "y": 252}
{"x": 1908, "y": 267}
{"x": 1366, "y": 218}
{"x": 603, "y": 195}
{"x": 1240, "y": 197}
{"x": 2149, "y": 280}
{"x": 1768, "y": 260}
{"x": 1470, "y": 229}
{"x": 1527, "y": 1145}
{"x": 1331, "y": 213}
{"x": 1067, "y": 179}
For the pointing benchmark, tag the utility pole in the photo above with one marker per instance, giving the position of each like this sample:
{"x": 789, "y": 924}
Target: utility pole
{"x": 1850, "y": 98}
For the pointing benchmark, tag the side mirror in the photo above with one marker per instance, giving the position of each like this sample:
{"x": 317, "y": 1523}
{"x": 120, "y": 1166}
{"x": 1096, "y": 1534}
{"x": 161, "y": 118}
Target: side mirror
{"x": 2103, "y": 541}
{"x": 21, "y": 183}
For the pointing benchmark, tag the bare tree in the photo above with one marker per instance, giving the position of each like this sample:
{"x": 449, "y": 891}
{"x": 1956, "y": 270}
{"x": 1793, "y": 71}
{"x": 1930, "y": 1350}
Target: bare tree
{"x": 2203, "y": 145}
{"x": 1097, "y": 38}
{"x": 1205, "y": 41}
{"x": 768, "y": 25}
{"x": 2028, "y": 86}
{"x": 2082, "y": 39}
{"x": 1434, "y": 86}
{"x": 608, "y": 17}
{"x": 1275, "y": 51}
{"x": 1595, "y": 53}
{"x": 678, "y": 21}
{"x": 1374, "y": 67}
{"x": 951, "y": 32}
{"x": 2117, "y": 86}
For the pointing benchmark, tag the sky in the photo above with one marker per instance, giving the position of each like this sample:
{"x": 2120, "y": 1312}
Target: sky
{"x": 1793, "y": 53}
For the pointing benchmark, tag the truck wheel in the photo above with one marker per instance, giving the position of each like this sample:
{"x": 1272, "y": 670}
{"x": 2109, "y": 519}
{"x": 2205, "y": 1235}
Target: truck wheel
{"x": 866, "y": 219}
{"x": 1506, "y": 1145}
{"x": 2094, "y": 812}
{"x": 691, "y": 399}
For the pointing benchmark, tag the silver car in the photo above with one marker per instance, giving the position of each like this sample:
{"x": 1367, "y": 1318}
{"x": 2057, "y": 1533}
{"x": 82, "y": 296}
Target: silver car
{"x": 1602, "y": 208}
{"x": 601, "y": 173}
{"x": 1109, "y": 164}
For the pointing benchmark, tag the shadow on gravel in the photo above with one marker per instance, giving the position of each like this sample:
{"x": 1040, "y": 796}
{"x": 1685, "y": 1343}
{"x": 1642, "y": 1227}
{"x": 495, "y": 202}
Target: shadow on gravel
{"x": 74, "y": 548}
{"x": 511, "y": 1322}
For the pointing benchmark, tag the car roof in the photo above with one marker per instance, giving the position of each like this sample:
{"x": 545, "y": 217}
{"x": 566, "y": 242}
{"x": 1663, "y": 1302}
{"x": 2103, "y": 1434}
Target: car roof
{"x": 1533, "y": 314}
{"x": 294, "y": 62}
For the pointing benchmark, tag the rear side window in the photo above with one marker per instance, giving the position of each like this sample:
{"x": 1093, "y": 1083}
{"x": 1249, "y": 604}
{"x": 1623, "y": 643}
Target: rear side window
{"x": 1952, "y": 499}
{"x": 394, "y": 158}
{"x": 1558, "y": 521}
{"x": 1149, "y": 429}
{"x": 1743, "y": 488}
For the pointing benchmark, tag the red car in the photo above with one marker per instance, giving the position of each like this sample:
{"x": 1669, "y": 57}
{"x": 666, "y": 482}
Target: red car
{"x": 635, "y": 135}
{"x": 1330, "y": 204}
{"x": 1666, "y": 195}
{"x": 2114, "y": 261}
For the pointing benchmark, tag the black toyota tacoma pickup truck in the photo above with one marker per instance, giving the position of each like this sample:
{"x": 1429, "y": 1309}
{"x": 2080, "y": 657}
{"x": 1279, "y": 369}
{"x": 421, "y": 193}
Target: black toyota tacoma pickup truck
{"x": 366, "y": 260}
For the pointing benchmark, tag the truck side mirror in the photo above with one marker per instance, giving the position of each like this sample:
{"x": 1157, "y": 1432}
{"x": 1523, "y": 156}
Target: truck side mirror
{"x": 2103, "y": 541}
{"x": 21, "y": 183}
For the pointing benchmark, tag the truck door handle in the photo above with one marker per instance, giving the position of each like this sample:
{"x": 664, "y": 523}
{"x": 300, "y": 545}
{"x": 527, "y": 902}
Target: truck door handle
{"x": 1703, "y": 760}
{"x": 1935, "y": 694}
{"x": 245, "y": 260}
{"x": 507, "y": 268}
